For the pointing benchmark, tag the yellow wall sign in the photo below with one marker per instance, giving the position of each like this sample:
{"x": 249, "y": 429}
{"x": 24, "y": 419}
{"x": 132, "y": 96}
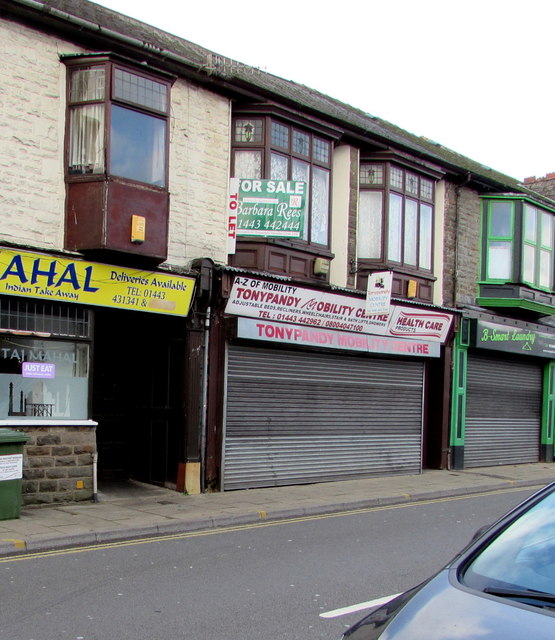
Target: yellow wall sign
{"x": 38, "y": 275}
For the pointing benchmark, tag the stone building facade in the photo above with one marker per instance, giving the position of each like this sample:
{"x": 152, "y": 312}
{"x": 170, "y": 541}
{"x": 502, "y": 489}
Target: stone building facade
{"x": 181, "y": 344}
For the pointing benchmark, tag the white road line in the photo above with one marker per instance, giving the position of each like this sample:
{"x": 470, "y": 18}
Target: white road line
{"x": 358, "y": 607}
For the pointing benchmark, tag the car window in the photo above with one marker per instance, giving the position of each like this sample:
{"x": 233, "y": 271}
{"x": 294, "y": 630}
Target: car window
{"x": 522, "y": 556}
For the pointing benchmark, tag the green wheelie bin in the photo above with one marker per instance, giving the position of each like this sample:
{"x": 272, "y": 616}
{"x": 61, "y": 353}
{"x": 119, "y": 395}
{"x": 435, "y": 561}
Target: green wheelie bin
{"x": 11, "y": 472}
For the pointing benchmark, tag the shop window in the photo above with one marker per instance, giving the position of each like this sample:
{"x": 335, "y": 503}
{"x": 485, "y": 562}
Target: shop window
{"x": 118, "y": 121}
{"x": 265, "y": 148}
{"x": 518, "y": 244}
{"x": 43, "y": 379}
{"x": 395, "y": 218}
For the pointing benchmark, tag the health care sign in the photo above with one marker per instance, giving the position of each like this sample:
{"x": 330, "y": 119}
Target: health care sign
{"x": 37, "y": 275}
{"x": 265, "y": 208}
{"x": 282, "y": 302}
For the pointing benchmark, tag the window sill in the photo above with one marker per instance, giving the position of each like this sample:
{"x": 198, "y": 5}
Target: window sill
{"x": 33, "y": 422}
{"x": 515, "y": 296}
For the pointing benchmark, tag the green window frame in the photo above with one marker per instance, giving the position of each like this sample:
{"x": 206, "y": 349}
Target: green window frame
{"x": 519, "y": 243}
{"x": 537, "y": 248}
{"x": 500, "y": 240}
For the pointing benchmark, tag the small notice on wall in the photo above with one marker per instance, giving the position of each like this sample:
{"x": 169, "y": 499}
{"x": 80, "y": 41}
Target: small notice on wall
{"x": 11, "y": 467}
{"x": 378, "y": 293}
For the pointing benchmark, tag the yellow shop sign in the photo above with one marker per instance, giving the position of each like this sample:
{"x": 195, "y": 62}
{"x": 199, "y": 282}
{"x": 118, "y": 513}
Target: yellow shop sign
{"x": 37, "y": 275}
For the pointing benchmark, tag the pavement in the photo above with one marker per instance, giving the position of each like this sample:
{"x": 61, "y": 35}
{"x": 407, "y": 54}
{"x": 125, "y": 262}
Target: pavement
{"x": 133, "y": 510}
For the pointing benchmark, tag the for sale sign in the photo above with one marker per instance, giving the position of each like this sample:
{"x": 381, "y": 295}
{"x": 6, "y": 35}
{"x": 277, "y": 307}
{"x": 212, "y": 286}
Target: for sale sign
{"x": 267, "y": 208}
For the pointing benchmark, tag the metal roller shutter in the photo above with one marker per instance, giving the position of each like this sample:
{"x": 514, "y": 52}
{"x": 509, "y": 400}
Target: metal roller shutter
{"x": 503, "y": 411}
{"x": 296, "y": 417}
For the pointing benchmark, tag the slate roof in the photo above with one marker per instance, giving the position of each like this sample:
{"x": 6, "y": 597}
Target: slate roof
{"x": 94, "y": 25}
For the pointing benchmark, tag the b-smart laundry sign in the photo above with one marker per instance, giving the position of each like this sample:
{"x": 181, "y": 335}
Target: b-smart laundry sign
{"x": 266, "y": 208}
{"x": 284, "y": 302}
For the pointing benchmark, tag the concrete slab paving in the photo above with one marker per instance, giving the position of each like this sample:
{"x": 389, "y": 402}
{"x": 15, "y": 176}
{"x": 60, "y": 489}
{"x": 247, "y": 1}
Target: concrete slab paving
{"x": 134, "y": 510}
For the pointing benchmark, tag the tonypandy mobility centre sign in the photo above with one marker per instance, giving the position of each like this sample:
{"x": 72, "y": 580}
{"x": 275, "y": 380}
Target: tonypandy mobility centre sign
{"x": 39, "y": 275}
{"x": 266, "y": 208}
{"x": 284, "y": 302}
{"x": 513, "y": 339}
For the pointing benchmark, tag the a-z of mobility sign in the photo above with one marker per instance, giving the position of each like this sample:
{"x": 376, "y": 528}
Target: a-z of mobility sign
{"x": 513, "y": 339}
{"x": 282, "y": 302}
{"x": 265, "y": 208}
{"x": 37, "y": 275}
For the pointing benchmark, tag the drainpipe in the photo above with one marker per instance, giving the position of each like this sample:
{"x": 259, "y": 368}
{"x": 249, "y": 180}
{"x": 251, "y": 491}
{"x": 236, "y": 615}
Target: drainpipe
{"x": 95, "y": 476}
{"x": 204, "y": 418}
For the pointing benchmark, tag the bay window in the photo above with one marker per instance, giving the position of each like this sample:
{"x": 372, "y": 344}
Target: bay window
{"x": 266, "y": 148}
{"x": 117, "y": 150}
{"x": 395, "y": 217}
{"x": 519, "y": 243}
{"x": 117, "y": 123}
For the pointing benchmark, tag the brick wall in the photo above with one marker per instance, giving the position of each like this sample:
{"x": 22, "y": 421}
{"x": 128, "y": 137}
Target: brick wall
{"x": 58, "y": 464}
{"x": 462, "y": 245}
{"x": 545, "y": 186}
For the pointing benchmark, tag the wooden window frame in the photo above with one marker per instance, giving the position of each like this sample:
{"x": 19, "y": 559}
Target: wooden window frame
{"x": 110, "y": 65}
{"x": 394, "y": 182}
{"x": 267, "y": 147}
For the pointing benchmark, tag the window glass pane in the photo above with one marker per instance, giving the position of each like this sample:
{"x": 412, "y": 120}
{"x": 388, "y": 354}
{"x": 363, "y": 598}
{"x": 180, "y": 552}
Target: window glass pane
{"x": 43, "y": 379}
{"x": 425, "y": 248}
{"x": 139, "y": 90}
{"x": 371, "y": 174}
{"x": 320, "y": 206}
{"x": 321, "y": 150}
{"x": 411, "y": 231}
{"x": 301, "y": 143}
{"x": 528, "y": 263}
{"x": 412, "y": 184}
{"x": 87, "y": 84}
{"x": 394, "y": 227}
{"x": 301, "y": 172}
{"x": 426, "y": 189}
{"x": 396, "y": 178}
{"x": 279, "y": 168}
{"x": 501, "y": 218}
{"x": 248, "y": 164}
{"x": 280, "y": 135}
{"x": 370, "y": 216}
{"x": 547, "y": 230}
{"x": 86, "y": 139}
{"x": 138, "y": 146}
{"x": 499, "y": 260}
{"x": 530, "y": 223}
{"x": 546, "y": 269}
{"x": 248, "y": 130}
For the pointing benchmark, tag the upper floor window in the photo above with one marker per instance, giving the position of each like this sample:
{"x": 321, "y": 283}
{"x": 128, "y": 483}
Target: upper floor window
{"x": 264, "y": 148}
{"x": 519, "y": 243}
{"x": 395, "y": 218}
{"x": 118, "y": 122}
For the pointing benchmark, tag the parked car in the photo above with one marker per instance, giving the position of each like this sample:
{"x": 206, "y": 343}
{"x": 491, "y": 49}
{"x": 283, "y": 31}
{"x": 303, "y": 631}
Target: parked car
{"x": 500, "y": 587}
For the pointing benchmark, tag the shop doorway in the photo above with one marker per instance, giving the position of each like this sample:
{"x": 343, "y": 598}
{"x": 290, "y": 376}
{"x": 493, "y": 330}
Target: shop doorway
{"x": 137, "y": 396}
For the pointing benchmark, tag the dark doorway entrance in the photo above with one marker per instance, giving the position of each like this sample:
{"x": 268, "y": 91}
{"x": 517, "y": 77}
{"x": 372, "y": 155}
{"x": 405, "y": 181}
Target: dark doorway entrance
{"x": 138, "y": 373}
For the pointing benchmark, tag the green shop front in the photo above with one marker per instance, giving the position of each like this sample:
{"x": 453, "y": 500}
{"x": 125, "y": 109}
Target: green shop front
{"x": 503, "y": 392}
{"x": 93, "y": 359}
